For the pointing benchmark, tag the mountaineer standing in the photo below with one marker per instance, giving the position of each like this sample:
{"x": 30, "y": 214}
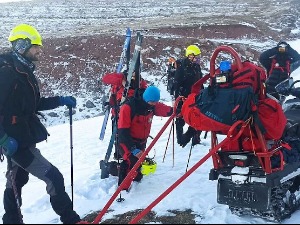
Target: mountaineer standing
{"x": 188, "y": 72}
{"x": 21, "y": 129}
{"x": 279, "y": 62}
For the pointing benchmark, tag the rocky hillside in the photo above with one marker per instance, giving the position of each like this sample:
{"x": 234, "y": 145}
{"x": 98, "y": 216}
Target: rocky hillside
{"x": 82, "y": 41}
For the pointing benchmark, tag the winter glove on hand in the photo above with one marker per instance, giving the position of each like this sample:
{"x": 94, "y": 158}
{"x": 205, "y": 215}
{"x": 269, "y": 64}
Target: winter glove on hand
{"x": 8, "y": 145}
{"x": 296, "y": 92}
{"x": 283, "y": 90}
{"x": 137, "y": 152}
{"x": 67, "y": 101}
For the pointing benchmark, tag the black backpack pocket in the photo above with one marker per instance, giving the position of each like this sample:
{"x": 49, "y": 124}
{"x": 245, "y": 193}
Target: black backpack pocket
{"x": 225, "y": 105}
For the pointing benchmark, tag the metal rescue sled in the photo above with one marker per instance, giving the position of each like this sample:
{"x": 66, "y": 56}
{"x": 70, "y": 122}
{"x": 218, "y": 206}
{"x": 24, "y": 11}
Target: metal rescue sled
{"x": 259, "y": 179}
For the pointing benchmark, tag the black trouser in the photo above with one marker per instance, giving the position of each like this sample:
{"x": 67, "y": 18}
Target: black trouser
{"x": 179, "y": 122}
{"x": 128, "y": 164}
{"x": 179, "y": 129}
{"x": 30, "y": 160}
{"x": 125, "y": 167}
{"x": 191, "y": 133}
{"x": 275, "y": 78}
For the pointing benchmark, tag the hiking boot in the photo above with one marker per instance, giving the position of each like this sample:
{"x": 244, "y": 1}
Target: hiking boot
{"x": 196, "y": 139}
{"x": 179, "y": 139}
{"x": 11, "y": 218}
{"x": 114, "y": 168}
{"x": 138, "y": 177}
{"x": 117, "y": 156}
{"x": 179, "y": 130}
{"x": 186, "y": 137}
{"x": 184, "y": 140}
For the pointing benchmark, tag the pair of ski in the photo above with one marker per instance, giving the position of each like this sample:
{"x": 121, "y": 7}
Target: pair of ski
{"x": 131, "y": 66}
{"x": 124, "y": 58}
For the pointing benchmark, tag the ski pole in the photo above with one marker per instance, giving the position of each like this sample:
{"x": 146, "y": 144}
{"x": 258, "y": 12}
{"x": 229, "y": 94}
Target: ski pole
{"x": 14, "y": 186}
{"x": 212, "y": 151}
{"x": 71, "y": 148}
{"x": 230, "y": 137}
{"x": 132, "y": 172}
{"x": 168, "y": 142}
{"x": 173, "y": 123}
{"x": 187, "y": 165}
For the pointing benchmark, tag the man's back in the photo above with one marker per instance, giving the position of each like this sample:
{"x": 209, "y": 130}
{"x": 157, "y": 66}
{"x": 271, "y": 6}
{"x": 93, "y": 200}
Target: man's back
{"x": 187, "y": 73}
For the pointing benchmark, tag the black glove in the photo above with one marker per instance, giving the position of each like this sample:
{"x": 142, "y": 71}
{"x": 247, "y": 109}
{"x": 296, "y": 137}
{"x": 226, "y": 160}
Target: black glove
{"x": 295, "y": 92}
{"x": 283, "y": 90}
{"x": 67, "y": 101}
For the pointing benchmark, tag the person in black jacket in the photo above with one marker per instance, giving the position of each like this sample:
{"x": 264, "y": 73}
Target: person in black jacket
{"x": 279, "y": 62}
{"x": 21, "y": 129}
{"x": 188, "y": 71}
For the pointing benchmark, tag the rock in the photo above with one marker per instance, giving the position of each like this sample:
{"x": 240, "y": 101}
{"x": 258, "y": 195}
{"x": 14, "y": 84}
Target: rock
{"x": 90, "y": 104}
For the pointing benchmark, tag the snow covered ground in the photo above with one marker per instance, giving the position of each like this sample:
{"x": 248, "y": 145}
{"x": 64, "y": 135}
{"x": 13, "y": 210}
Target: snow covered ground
{"x": 90, "y": 192}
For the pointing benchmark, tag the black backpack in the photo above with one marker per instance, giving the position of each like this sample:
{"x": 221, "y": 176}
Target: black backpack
{"x": 171, "y": 69}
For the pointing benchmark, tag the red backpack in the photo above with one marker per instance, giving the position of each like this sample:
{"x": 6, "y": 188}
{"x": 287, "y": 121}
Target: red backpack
{"x": 239, "y": 95}
{"x": 249, "y": 75}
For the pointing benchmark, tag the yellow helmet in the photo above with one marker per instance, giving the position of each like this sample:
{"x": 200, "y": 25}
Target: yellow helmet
{"x": 148, "y": 166}
{"x": 192, "y": 49}
{"x": 24, "y": 31}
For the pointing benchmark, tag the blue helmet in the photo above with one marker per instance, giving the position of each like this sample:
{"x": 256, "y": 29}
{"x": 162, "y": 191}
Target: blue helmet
{"x": 225, "y": 66}
{"x": 151, "y": 94}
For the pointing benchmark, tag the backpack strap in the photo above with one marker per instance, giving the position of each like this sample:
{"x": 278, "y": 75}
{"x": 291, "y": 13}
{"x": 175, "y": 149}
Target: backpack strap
{"x": 238, "y": 75}
{"x": 256, "y": 118}
{"x": 131, "y": 103}
{"x": 286, "y": 69}
{"x": 272, "y": 66}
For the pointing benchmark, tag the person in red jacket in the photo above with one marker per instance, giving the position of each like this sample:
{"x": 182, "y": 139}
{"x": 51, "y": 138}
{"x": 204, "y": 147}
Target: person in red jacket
{"x": 134, "y": 125}
{"x": 118, "y": 81}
